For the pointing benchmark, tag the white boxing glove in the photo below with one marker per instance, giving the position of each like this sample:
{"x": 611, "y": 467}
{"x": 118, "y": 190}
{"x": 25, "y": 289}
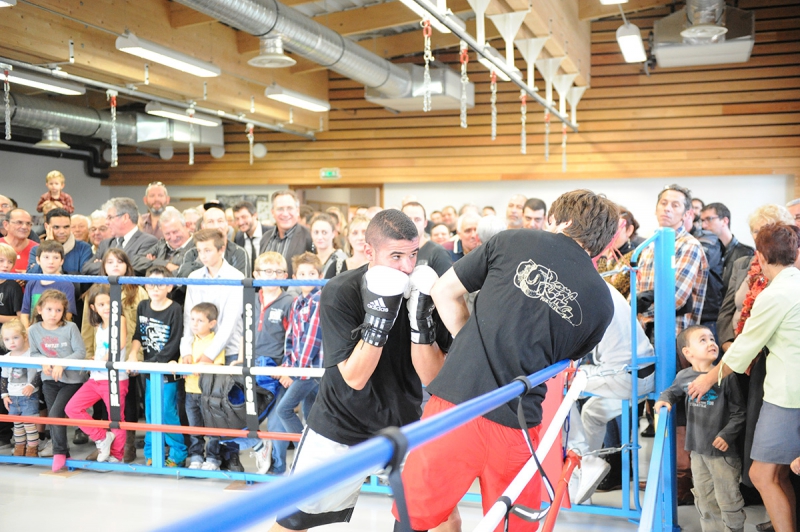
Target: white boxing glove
{"x": 420, "y": 305}
{"x": 382, "y": 291}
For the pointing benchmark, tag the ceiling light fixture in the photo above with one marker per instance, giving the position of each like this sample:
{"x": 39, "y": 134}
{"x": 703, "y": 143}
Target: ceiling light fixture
{"x": 45, "y": 83}
{"x": 613, "y": 2}
{"x": 176, "y": 113}
{"x": 630, "y": 42}
{"x": 424, "y": 12}
{"x": 8, "y": 3}
{"x": 296, "y": 99}
{"x": 132, "y": 44}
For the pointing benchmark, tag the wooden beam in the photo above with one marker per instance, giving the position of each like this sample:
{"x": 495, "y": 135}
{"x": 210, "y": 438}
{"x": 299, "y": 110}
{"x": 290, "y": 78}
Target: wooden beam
{"x": 31, "y": 32}
{"x": 570, "y": 36}
{"x": 593, "y": 9}
{"x": 181, "y": 16}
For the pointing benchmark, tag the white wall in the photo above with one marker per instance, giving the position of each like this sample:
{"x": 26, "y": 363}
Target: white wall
{"x": 741, "y": 194}
{"x": 206, "y": 192}
{"x": 22, "y": 178}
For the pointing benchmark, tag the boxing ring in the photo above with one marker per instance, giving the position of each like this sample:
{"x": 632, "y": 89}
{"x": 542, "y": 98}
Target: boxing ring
{"x": 280, "y": 495}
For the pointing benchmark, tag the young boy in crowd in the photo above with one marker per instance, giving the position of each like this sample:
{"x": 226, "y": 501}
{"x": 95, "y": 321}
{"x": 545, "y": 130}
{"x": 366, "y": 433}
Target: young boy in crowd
{"x": 49, "y": 257}
{"x": 10, "y": 291}
{"x": 158, "y": 334}
{"x": 210, "y": 245}
{"x": 203, "y": 320}
{"x": 303, "y": 349}
{"x": 713, "y": 425}
{"x": 274, "y": 305}
{"x": 55, "y": 197}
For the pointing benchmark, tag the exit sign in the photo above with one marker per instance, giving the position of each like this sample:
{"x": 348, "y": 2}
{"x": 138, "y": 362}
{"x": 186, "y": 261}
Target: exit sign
{"x": 329, "y": 173}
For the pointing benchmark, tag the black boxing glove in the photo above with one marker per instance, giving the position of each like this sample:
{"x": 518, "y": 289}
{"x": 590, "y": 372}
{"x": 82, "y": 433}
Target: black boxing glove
{"x": 382, "y": 292}
{"x": 420, "y": 305}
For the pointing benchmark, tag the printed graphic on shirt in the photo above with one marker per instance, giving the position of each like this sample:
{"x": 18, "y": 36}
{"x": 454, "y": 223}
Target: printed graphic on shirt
{"x": 17, "y": 373}
{"x": 155, "y": 334}
{"x": 275, "y": 315}
{"x": 539, "y": 282}
{"x": 50, "y": 345}
{"x": 708, "y": 399}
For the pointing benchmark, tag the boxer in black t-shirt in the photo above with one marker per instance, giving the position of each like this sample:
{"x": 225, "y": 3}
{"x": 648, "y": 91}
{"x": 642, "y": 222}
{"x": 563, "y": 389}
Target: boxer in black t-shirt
{"x": 541, "y": 301}
{"x": 376, "y": 358}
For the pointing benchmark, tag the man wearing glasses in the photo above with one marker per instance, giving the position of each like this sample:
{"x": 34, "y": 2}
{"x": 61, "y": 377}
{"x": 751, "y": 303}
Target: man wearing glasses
{"x": 17, "y": 226}
{"x": 122, "y": 216}
{"x": 716, "y": 218}
{"x": 156, "y": 198}
{"x": 7, "y": 204}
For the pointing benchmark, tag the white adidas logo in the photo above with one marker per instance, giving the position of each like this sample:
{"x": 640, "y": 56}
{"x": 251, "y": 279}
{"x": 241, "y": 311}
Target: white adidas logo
{"x": 378, "y": 305}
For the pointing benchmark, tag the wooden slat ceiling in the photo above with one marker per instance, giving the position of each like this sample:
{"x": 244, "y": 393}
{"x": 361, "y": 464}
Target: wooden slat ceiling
{"x": 735, "y": 119}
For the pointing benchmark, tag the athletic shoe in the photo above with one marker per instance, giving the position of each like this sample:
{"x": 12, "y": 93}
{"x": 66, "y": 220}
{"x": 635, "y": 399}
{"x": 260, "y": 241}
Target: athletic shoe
{"x": 196, "y": 465}
{"x": 46, "y": 448}
{"x": 209, "y": 466}
{"x": 80, "y": 437}
{"x": 233, "y": 463}
{"x": 263, "y": 455}
{"x": 104, "y": 447}
{"x": 170, "y": 463}
{"x": 6, "y": 443}
{"x": 113, "y": 460}
{"x": 593, "y": 470}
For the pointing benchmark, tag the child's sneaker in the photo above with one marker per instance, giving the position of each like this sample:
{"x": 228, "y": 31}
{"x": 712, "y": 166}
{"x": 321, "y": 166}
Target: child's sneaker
{"x": 170, "y": 463}
{"x": 46, "y": 448}
{"x": 195, "y": 465}
{"x": 209, "y": 466}
{"x": 113, "y": 460}
{"x": 104, "y": 447}
{"x": 263, "y": 455}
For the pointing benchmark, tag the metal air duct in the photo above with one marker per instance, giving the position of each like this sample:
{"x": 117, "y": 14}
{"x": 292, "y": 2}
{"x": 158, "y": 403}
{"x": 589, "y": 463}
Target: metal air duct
{"x": 42, "y": 113}
{"x": 309, "y": 39}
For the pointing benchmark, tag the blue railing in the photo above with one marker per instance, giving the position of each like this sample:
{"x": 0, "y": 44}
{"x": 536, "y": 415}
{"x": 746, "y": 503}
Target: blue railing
{"x": 656, "y": 504}
{"x": 279, "y": 498}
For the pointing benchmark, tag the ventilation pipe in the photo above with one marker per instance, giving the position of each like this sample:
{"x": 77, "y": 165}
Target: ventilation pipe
{"x": 309, "y": 39}
{"x": 44, "y": 114}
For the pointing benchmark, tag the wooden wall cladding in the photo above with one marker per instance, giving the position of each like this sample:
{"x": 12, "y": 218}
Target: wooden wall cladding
{"x": 738, "y": 119}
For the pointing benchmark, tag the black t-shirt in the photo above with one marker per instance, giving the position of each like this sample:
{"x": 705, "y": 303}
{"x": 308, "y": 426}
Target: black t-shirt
{"x": 435, "y": 256}
{"x": 10, "y": 301}
{"x": 160, "y": 332}
{"x": 393, "y": 394}
{"x": 540, "y": 301}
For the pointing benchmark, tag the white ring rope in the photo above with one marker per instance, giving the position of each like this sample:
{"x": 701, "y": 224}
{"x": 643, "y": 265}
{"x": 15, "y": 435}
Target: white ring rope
{"x": 156, "y": 367}
{"x": 498, "y": 511}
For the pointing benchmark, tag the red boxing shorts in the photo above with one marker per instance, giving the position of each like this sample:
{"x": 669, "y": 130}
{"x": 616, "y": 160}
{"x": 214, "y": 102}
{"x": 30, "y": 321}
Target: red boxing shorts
{"x": 437, "y": 475}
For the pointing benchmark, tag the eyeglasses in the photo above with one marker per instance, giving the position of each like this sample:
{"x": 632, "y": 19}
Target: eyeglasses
{"x": 111, "y": 217}
{"x": 101, "y": 229}
{"x": 709, "y": 218}
{"x": 271, "y": 272}
{"x": 20, "y": 222}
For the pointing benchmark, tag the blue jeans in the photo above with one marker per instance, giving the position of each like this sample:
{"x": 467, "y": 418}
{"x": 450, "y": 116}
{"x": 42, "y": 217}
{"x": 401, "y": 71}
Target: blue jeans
{"x": 196, "y": 443}
{"x": 295, "y": 394}
{"x": 22, "y": 405}
{"x": 169, "y": 416}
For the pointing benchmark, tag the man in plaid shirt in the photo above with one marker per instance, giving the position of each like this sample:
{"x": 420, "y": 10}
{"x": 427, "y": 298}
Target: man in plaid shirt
{"x": 691, "y": 276}
{"x": 691, "y": 266}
